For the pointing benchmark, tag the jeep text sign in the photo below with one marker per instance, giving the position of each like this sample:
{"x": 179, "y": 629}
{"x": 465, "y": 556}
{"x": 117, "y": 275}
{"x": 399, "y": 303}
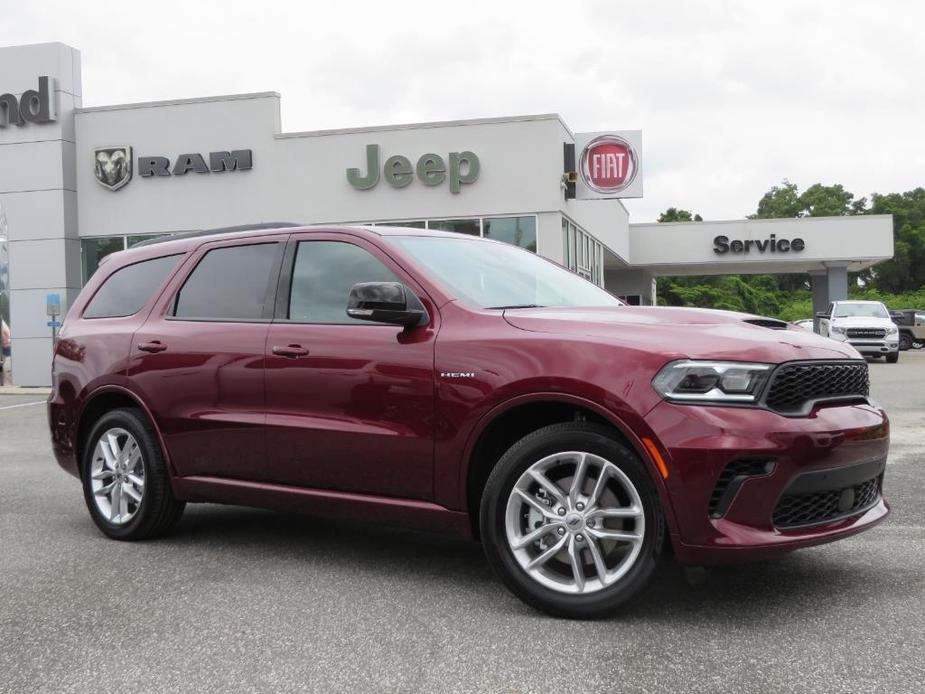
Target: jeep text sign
{"x": 431, "y": 169}
{"x": 609, "y": 165}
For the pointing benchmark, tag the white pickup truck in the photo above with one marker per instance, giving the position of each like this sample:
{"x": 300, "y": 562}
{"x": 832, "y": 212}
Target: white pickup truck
{"x": 865, "y": 325}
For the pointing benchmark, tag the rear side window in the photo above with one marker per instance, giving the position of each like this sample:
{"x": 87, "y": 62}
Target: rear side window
{"x": 128, "y": 289}
{"x": 229, "y": 284}
{"x": 323, "y": 274}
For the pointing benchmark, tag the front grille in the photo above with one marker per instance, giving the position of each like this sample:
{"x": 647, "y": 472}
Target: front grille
{"x": 866, "y": 332}
{"x": 795, "y": 510}
{"x": 795, "y": 385}
{"x": 731, "y": 478}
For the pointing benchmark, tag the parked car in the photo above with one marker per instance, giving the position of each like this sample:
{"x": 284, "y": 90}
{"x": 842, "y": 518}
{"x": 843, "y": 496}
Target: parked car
{"x": 865, "y": 325}
{"x": 458, "y": 384}
{"x": 911, "y": 323}
{"x": 805, "y": 323}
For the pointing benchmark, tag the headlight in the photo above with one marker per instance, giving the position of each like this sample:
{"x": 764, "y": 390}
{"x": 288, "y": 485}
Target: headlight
{"x": 892, "y": 330}
{"x": 711, "y": 381}
{"x": 837, "y": 329}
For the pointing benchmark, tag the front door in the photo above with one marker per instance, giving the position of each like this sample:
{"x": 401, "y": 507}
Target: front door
{"x": 350, "y": 404}
{"x": 199, "y": 358}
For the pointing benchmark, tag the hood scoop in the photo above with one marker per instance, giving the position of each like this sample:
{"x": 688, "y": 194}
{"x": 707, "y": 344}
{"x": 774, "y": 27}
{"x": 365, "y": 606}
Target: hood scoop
{"x": 770, "y": 323}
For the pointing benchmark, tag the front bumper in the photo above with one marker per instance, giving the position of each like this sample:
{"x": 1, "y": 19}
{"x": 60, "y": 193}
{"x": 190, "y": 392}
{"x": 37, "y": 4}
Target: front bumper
{"x": 871, "y": 345}
{"x": 784, "y": 462}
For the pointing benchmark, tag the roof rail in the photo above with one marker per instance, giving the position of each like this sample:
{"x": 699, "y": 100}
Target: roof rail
{"x": 219, "y": 230}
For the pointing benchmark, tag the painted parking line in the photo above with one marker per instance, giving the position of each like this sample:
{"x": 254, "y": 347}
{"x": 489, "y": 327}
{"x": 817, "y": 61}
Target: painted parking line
{"x": 22, "y": 404}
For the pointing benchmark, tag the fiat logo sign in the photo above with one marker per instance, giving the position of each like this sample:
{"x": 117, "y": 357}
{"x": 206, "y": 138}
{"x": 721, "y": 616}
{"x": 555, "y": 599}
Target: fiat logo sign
{"x": 608, "y": 164}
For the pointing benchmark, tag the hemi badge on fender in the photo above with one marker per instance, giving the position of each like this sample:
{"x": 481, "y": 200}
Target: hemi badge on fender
{"x": 457, "y": 374}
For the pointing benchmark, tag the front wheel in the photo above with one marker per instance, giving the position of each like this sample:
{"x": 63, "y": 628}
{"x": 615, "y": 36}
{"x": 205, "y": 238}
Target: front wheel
{"x": 892, "y": 357}
{"x": 570, "y": 521}
{"x": 125, "y": 480}
{"x": 905, "y": 342}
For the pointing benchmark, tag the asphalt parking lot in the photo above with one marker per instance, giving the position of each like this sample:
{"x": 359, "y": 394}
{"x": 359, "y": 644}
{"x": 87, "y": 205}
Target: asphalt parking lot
{"x": 253, "y": 601}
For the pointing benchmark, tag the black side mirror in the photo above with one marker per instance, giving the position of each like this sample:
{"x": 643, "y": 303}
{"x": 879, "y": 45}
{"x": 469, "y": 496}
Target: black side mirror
{"x": 386, "y": 302}
{"x": 822, "y": 314}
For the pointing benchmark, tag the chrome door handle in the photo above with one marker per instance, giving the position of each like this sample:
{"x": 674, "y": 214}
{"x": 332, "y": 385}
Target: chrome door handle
{"x": 152, "y": 347}
{"x": 291, "y": 351}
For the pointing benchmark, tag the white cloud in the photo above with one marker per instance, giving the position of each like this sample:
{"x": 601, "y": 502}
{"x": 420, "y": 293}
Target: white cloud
{"x": 731, "y": 96}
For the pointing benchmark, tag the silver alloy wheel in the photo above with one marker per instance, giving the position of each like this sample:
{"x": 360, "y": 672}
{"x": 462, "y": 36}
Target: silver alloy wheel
{"x": 117, "y": 476}
{"x": 574, "y": 522}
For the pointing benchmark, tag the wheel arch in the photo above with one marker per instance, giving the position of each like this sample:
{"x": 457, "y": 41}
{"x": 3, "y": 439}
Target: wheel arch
{"x": 510, "y": 421}
{"x": 105, "y": 399}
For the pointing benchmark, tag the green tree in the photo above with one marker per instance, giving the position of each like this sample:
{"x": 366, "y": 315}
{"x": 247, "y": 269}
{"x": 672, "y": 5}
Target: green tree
{"x": 674, "y": 214}
{"x": 905, "y": 272}
{"x": 780, "y": 201}
{"x": 818, "y": 200}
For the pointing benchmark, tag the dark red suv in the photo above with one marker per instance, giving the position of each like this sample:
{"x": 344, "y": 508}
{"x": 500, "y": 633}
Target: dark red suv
{"x": 458, "y": 384}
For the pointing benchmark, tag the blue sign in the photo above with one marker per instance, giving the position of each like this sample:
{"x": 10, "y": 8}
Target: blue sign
{"x": 53, "y": 324}
{"x": 53, "y": 305}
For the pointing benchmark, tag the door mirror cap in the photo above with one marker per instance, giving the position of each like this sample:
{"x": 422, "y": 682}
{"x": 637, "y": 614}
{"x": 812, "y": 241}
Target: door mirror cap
{"x": 386, "y": 302}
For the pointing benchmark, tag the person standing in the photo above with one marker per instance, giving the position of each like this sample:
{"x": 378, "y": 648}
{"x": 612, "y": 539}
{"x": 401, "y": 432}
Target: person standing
{"x": 6, "y": 355}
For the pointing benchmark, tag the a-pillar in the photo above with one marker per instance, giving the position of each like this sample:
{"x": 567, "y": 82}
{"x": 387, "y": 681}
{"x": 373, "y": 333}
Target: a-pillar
{"x": 830, "y": 284}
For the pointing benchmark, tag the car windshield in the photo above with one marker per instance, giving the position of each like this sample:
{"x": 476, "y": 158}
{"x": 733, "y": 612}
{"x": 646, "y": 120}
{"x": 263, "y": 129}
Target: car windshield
{"x": 849, "y": 310}
{"x": 497, "y": 275}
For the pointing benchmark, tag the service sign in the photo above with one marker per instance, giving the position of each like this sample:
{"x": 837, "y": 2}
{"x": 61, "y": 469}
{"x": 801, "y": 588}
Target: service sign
{"x": 609, "y": 165}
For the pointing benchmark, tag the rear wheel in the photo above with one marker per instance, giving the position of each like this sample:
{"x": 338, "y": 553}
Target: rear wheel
{"x": 125, "y": 480}
{"x": 905, "y": 341}
{"x": 570, "y": 521}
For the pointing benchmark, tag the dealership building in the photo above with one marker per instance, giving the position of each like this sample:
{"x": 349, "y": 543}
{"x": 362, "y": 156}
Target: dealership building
{"x": 77, "y": 183}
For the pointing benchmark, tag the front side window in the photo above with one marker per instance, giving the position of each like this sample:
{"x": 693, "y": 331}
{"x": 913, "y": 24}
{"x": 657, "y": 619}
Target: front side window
{"x": 129, "y": 288}
{"x": 498, "y": 275}
{"x": 322, "y": 276}
{"x": 229, "y": 283}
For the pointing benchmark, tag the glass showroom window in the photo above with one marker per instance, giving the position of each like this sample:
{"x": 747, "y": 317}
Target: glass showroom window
{"x": 582, "y": 253}
{"x": 416, "y": 224}
{"x": 472, "y": 227}
{"x": 94, "y": 249}
{"x": 518, "y": 231}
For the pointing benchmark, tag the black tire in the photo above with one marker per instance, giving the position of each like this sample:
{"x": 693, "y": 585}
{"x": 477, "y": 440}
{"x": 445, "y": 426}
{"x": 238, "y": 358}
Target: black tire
{"x": 159, "y": 511}
{"x": 572, "y": 436}
{"x": 892, "y": 357}
{"x": 905, "y": 342}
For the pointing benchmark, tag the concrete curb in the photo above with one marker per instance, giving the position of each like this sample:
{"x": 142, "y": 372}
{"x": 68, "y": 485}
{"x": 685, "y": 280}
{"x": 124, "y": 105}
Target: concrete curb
{"x": 24, "y": 390}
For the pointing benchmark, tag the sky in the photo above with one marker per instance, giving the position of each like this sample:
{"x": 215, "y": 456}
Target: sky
{"x": 732, "y": 97}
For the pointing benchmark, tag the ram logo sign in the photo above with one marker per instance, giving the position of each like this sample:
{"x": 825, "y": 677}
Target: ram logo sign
{"x": 112, "y": 166}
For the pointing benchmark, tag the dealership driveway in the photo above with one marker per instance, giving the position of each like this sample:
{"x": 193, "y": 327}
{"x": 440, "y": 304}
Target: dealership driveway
{"x": 246, "y": 600}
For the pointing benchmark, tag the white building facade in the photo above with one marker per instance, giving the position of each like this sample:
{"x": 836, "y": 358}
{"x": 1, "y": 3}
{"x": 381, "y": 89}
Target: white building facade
{"x": 77, "y": 183}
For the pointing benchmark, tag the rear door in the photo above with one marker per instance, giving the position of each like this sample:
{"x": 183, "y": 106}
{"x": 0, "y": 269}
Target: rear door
{"x": 350, "y": 403}
{"x": 199, "y": 358}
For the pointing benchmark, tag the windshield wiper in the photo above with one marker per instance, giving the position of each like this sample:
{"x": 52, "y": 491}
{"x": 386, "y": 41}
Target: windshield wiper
{"x": 515, "y": 306}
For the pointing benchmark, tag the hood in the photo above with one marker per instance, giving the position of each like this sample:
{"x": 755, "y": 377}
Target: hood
{"x": 863, "y": 322}
{"x": 685, "y": 332}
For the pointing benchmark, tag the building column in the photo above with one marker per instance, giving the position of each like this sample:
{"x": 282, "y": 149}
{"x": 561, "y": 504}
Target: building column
{"x": 38, "y": 193}
{"x": 829, "y": 285}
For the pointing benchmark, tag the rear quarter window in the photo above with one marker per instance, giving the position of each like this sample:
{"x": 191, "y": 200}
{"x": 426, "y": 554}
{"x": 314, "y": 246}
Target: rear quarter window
{"x": 126, "y": 290}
